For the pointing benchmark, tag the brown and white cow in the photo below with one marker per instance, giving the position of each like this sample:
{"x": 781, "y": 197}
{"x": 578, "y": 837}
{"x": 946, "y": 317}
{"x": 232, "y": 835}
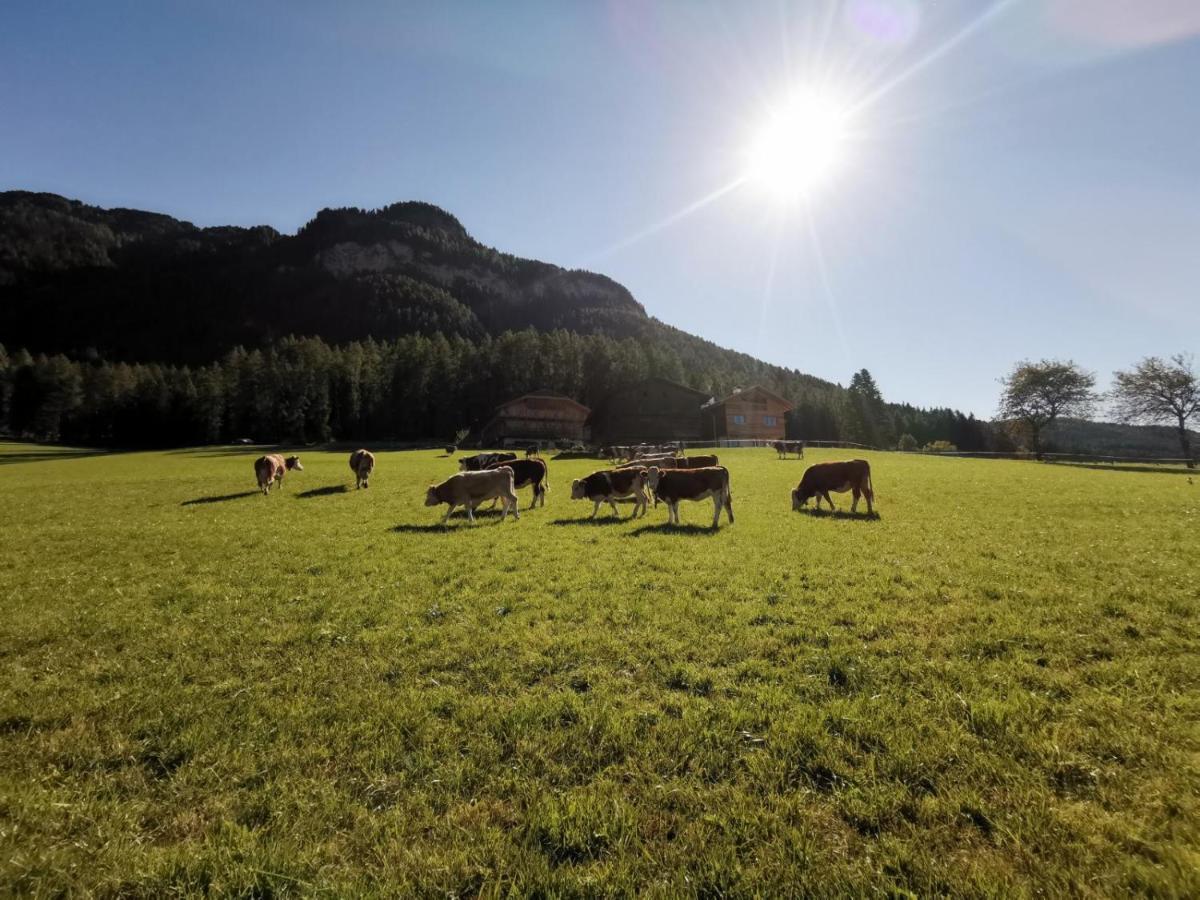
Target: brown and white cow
{"x": 526, "y": 473}
{"x": 481, "y": 461}
{"x": 610, "y": 485}
{"x": 362, "y": 464}
{"x": 696, "y": 462}
{"x": 269, "y": 469}
{"x": 470, "y": 489}
{"x": 783, "y": 448}
{"x": 821, "y": 478}
{"x": 673, "y": 485}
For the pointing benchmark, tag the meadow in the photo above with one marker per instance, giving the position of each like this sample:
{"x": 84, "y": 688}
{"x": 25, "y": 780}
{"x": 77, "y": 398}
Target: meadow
{"x": 990, "y": 689}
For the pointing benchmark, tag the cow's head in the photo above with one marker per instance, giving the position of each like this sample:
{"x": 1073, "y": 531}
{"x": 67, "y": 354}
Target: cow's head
{"x": 293, "y": 462}
{"x": 578, "y": 489}
{"x": 652, "y": 477}
{"x": 462, "y": 465}
{"x": 799, "y": 498}
{"x": 431, "y": 497}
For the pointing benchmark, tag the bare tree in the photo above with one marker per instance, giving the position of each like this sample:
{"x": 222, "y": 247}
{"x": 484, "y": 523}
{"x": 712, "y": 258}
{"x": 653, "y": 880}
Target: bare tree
{"x": 1158, "y": 391}
{"x": 1036, "y": 394}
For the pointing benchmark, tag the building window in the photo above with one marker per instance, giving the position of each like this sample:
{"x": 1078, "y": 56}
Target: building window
{"x": 769, "y": 420}
{"x": 739, "y": 420}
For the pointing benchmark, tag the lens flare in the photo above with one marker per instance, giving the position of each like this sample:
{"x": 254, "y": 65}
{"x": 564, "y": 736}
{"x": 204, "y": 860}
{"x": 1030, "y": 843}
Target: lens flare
{"x": 799, "y": 146}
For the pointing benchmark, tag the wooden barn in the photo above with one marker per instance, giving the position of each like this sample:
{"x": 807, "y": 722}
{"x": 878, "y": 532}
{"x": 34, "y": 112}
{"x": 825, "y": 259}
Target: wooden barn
{"x": 653, "y": 410}
{"x": 539, "y": 416}
{"x": 752, "y": 414}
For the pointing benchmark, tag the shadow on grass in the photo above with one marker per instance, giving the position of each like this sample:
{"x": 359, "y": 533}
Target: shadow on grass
{"x": 668, "y": 528}
{"x": 255, "y": 450}
{"x": 219, "y": 499}
{"x": 840, "y": 514}
{"x": 1104, "y": 467}
{"x": 596, "y": 522}
{"x": 327, "y": 491}
{"x": 32, "y": 456}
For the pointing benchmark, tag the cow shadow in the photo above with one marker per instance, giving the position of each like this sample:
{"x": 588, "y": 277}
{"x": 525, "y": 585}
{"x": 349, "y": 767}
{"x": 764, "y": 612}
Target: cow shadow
{"x": 219, "y": 498}
{"x": 586, "y": 521}
{"x": 840, "y": 514}
{"x": 327, "y": 491}
{"x": 668, "y": 528}
{"x": 435, "y": 528}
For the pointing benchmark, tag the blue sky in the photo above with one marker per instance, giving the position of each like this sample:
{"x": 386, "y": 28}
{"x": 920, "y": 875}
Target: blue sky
{"x": 1020, "y": 179}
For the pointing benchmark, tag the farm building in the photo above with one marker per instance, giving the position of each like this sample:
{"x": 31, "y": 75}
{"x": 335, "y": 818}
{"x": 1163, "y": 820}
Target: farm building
{"x": 652, "y": 410}
{"x": 752, "y": 414}
{"x": 538, "y": 416}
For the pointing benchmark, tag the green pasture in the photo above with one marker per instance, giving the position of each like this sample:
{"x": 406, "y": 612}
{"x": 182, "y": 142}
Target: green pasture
{"x": 991, "y": 688}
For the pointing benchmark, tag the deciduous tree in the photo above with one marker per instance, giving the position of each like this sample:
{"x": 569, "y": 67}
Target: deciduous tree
{"x": 1036, "y": 394}
{"x": 1159, "y": 391}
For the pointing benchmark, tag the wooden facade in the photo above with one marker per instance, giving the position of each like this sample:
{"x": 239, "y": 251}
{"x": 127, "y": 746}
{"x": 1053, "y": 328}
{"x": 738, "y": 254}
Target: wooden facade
{"x": 539, "y": 416}
{"x": 752, "y": 414}
{"x": 654, "y": 410}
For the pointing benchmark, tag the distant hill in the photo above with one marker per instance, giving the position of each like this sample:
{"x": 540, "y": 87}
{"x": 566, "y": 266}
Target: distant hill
{"x": 128, "y": 284}
{"x": 1111, "y": 439}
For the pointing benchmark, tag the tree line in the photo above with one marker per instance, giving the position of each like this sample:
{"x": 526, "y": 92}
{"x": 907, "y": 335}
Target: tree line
{"x": 416, "y": 387}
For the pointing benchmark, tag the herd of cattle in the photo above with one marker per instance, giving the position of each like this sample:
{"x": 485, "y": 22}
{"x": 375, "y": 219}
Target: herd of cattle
{"x": 647, "y": 473}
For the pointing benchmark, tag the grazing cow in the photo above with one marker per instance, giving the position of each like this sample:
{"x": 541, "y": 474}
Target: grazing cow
{"x": 269, "y": 469}
{"x": 450, "y": 449}
{"x": 532, "y": 450}
{"x": 362, "y": 464}
{"x": 470, "y": 489}
{"x": 527, "y": 472}
{"x": 673, "y": 485}
{"x": 608, "y": 486}
{"x": 663, "y": 462}
{"x": 696, "y": 462}
{"x": 821, "y": 478}
{"x": 783, "y": 448}
{"x": 481, "y": 461}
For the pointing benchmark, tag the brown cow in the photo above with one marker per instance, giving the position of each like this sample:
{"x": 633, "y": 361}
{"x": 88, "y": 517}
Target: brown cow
{"x": 673, "y": 485}
{"x": 269, "y": 469}
{"x": 609, "y": 485}
{"x": 819, "y": 479}
{"x": 527, "y": 472}
{"x": 696, "y": 462}
{"x": 362, "y": 464}
{"x": 470, "y": 489}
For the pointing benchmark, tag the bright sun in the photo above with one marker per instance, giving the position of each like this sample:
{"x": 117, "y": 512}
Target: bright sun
{"x": 798, "y": 147}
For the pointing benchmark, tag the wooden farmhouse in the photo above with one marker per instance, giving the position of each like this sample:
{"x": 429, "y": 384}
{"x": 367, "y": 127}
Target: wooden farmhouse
{"x": 654, "y": 410}
{"x": 538, "y": 416}
{"x": 752, "y": 414}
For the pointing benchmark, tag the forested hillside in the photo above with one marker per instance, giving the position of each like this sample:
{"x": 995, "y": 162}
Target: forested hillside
{"x": 126, "y": 327}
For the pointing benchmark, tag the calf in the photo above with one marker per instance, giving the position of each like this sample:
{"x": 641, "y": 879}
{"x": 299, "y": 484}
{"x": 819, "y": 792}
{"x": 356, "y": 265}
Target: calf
{"x": 819, "y": 479}
{"x": 269, "y": 469}
{"x": 362, "y": 464}
{"x": 481, "y": 461}
{"x": 528, "y": 472}
{"x": 608, "y": 486}
{"x": 469, "y": 489}
{"x": 673, "y": 485}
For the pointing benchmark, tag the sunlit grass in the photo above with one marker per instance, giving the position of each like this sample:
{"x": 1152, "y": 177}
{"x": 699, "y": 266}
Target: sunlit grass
{"x": 990, "y": 688}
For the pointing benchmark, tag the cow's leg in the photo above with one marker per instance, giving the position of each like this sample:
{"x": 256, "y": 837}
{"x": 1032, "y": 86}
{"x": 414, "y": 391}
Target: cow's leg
{"x": 729, "y": 506}
{"x": 854, "y": 502}
{"x": 870, "y": 495}
{"x": 471, "y": 513}
{"x": 512, "y": 504}
{"x": 595, "y": 509}
{"x": 613, "y": 504}
{"x": 829, "y": 500}
{"x": 446, "y": 517}
{"x": 716, "y": 510}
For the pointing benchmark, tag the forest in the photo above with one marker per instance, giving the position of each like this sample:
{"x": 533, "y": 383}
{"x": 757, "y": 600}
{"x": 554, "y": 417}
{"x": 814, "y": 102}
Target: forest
{"x": 414, "y": 388}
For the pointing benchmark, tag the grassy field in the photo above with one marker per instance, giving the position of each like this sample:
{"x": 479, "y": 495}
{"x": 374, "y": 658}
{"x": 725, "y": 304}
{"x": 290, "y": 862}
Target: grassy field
{"x": 992, "y": 688}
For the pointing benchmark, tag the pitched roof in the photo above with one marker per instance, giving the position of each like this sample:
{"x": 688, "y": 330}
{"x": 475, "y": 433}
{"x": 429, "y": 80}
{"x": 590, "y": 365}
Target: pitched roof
{"x": 544, "y": 395}
{"x": 751, "y": 390}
